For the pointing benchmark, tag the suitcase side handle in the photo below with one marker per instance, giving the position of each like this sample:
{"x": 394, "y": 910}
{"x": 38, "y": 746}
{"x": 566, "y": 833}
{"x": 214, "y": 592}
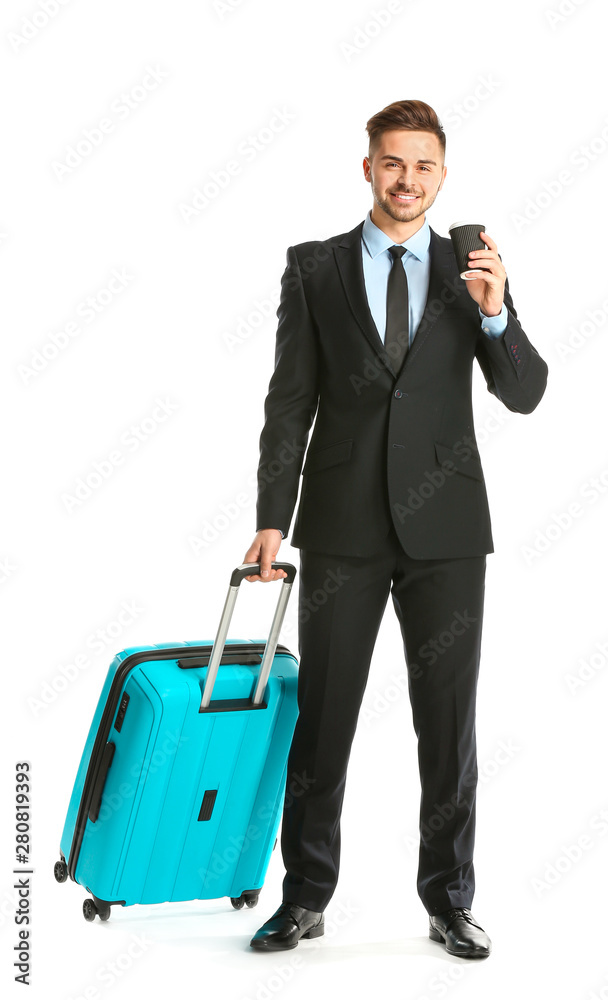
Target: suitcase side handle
{"x": 248, "y": 569}
{"x": 102, "y": 774}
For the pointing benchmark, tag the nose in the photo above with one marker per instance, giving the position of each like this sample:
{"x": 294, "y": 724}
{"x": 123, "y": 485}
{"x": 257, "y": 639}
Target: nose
{"x": 406, "y": 180}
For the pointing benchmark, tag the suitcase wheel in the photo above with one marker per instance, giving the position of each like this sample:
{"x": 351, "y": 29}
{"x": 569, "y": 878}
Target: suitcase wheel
{"x": 249, "y": 897}
{"x": 61, "y": 871}
{"x": 92, "y": 908}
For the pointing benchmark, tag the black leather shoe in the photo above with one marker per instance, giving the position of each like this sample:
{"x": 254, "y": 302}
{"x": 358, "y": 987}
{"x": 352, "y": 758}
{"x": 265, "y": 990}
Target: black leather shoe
{"x": 285, "y": 928}
{"x": 460, "y": 932}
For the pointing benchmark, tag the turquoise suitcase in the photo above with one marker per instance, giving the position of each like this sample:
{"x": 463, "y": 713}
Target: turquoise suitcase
{"x": 178, "y": 795}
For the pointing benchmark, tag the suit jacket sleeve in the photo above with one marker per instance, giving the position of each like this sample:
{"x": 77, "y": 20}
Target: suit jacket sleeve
{"x": 290, "y": 405}
{"x": 512, "y": 367}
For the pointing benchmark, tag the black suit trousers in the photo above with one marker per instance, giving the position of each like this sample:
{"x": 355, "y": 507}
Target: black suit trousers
{"x": 439, "y": 605}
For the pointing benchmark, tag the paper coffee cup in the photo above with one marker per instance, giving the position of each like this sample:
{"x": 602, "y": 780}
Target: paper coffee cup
{"x": 464, "y": 236}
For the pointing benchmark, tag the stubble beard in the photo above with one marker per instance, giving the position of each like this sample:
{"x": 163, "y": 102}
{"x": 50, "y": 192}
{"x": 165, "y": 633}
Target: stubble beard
{"x": 408, "y": 213}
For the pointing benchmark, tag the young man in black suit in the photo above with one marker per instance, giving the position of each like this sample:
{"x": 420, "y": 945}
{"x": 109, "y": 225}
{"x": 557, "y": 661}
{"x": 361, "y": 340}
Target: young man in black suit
{"x": 376, "y": 338}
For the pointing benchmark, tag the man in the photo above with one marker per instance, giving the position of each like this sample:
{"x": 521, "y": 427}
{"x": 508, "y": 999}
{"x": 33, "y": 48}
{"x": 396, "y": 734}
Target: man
{"x": 379, "y": 344}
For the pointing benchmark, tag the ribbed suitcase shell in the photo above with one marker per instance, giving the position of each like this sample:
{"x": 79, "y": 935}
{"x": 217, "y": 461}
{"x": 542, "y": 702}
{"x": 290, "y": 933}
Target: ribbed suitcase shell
{"x": 154, "y": 840}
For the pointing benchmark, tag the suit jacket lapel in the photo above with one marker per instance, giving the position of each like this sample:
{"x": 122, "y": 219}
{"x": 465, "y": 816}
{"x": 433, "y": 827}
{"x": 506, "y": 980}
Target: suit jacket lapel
{"x": 348, "y": 254}
{"x": 442, "y": 266}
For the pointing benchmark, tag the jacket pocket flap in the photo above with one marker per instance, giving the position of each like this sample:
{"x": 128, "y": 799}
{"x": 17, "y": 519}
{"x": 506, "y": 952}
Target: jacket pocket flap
{"x": 324, "y": 458}
{"x": 465, "y": 460}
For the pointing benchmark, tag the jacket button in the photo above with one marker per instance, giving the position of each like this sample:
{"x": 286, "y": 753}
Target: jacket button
{"x": 399, "y": 394}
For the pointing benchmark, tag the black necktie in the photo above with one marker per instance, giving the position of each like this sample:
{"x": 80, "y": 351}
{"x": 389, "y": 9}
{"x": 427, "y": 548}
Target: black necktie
{"x": 396, "y": 338}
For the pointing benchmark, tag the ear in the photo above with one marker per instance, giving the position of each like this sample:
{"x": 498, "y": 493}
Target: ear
{"x": 367, "y": 168}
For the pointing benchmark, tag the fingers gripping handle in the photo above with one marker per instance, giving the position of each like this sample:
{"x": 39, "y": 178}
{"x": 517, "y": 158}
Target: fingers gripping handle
{"x": 239, "y": 574}
{"x": 254, "y": 569}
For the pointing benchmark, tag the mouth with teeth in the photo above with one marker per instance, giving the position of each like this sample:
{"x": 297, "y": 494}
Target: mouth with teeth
{"x": 403, "y": 198}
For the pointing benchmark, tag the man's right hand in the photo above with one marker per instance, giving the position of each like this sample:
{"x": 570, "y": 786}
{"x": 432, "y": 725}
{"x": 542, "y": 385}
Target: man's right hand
{"x": 264, "y": 550}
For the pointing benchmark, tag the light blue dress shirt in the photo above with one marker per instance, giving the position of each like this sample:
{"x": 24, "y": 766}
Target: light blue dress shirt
{"x": 377, "y": 262}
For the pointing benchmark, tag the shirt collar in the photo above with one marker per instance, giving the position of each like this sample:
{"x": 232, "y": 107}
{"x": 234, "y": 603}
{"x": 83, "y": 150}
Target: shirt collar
{"x": 376, "y": 241}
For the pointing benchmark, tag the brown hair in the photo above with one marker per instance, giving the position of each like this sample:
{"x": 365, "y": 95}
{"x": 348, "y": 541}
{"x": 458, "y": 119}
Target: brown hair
{"x": 411, "y": 115}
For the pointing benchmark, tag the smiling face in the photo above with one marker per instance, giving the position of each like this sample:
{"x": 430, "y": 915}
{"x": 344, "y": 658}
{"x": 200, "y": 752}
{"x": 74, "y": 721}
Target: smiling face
{"x": 406, "y": 172}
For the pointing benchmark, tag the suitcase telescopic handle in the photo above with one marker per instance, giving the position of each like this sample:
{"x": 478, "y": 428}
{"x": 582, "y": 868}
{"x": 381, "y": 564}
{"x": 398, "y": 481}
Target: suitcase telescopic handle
{"x": 238, "y": 575}
{"x": 253, "y": 569}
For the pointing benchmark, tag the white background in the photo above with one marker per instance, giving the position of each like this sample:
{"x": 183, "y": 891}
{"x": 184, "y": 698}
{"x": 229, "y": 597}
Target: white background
{"x": 519, "y": 92}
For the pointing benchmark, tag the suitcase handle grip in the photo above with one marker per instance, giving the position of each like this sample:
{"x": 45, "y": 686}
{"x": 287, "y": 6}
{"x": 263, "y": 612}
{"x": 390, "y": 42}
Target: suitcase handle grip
{"x": 253, "y": 569}
{"x": 248, "y": 569}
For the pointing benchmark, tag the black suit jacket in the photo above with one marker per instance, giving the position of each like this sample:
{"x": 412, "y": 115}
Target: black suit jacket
{"x": 387, "y": 446}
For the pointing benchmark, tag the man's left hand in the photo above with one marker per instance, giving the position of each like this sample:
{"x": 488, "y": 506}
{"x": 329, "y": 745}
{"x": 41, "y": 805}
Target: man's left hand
{"x": 487, "y": 287}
